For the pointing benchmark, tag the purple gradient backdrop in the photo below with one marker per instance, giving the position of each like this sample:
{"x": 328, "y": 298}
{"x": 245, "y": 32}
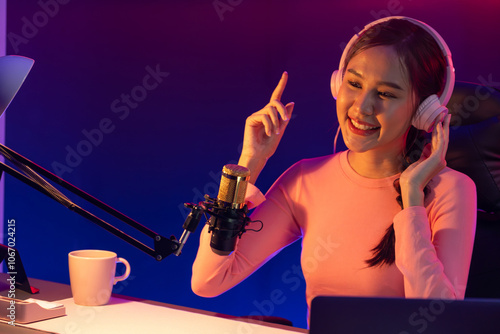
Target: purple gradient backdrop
{"x": 164, "y": 149}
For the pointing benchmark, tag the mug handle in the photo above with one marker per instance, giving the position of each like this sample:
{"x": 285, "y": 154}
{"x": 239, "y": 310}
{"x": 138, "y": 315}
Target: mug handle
{"x": 127, "y": 270}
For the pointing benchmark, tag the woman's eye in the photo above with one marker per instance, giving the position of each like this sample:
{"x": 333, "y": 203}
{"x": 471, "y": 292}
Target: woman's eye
{"x": 382, "y": 94}
{"x": 354, "y": 84}
{"x": 386, "y": 95}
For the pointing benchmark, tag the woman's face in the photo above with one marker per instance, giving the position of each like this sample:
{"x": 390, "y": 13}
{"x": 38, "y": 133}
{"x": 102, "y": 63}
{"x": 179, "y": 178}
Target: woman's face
{"x": 374, "y": 104}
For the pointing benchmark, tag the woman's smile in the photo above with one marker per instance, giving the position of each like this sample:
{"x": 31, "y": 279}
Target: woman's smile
{"x": 362, "y": 128}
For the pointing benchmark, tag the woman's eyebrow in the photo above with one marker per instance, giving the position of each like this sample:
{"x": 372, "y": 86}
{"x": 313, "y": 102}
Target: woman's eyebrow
{"x": 384, "y": 83}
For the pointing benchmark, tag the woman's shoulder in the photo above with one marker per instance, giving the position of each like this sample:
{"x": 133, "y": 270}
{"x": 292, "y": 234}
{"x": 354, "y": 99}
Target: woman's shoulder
{"x": 449, "y": 179}
{"x": 310, "y": 168}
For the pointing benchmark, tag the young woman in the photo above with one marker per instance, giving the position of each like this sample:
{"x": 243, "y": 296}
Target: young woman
{"x": 382, "y": 218}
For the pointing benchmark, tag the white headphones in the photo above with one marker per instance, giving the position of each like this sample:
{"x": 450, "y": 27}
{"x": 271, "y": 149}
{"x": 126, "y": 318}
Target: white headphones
{"x": 432, "y": 106}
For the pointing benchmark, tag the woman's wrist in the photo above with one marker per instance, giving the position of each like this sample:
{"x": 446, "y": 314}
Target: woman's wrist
{"x": 255, "y": 165}
{"x": 412, "y": 196}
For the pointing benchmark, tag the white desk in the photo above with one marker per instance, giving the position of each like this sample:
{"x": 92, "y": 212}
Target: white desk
{"x": 124, "y": 315}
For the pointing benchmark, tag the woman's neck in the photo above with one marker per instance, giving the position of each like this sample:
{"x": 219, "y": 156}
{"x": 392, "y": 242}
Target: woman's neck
{"x": 373, "y": 165}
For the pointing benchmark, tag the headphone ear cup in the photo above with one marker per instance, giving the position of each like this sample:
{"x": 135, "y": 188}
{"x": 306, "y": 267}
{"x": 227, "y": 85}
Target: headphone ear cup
{"x": 427, "y": 112}
{"x": 335, "y": 83}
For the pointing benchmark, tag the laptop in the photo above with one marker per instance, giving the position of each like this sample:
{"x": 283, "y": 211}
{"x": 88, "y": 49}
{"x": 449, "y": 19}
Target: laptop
{"x": 353, "y": 315}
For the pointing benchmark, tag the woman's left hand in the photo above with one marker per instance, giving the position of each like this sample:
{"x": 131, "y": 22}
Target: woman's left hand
{"x": 414, "y": 179}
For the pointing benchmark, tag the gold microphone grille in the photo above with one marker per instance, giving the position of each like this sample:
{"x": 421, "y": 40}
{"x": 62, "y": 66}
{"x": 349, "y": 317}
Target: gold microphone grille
{"x": 233, "y": 185}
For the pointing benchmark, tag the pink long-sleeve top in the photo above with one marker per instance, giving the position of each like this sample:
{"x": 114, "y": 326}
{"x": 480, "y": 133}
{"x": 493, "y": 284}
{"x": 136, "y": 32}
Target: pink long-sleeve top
{"x": 340, "y": 217}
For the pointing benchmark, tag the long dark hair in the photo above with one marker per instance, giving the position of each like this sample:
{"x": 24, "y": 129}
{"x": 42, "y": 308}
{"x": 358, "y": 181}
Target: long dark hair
{"x": 425, "y": 64}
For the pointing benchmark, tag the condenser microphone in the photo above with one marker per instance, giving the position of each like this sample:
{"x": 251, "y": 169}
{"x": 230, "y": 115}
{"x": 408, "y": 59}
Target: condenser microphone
{"x": 229, "y": 215}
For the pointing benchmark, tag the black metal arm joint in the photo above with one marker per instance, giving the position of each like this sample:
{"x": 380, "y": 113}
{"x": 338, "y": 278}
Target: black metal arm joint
{"x": 165, "y": 246}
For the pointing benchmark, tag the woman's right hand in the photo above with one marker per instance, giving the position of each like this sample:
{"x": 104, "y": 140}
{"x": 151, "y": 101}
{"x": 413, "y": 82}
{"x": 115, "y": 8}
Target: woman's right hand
{"x": 263, "y": 131}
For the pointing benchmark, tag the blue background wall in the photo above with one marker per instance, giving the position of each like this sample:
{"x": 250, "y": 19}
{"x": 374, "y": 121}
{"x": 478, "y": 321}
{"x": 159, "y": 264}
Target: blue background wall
{"x": 219, "y": 62}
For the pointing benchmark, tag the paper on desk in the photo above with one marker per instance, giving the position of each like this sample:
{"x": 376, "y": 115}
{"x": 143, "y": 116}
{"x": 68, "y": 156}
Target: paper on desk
{"x": 43, "y": 303}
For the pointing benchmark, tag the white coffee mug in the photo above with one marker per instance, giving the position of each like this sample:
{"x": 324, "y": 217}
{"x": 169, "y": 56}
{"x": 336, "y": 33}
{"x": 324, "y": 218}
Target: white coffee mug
{"x": 92, "y": 275}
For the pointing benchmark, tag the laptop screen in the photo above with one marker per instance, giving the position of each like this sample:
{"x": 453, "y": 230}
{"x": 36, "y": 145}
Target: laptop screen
{"x": 352, "y": 315}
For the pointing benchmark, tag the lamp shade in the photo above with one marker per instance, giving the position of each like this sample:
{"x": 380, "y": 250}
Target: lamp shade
{"x": 13, "y": 71}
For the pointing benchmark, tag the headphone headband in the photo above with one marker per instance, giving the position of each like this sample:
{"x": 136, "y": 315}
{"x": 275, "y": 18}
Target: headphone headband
{"x": 450, "y": 70}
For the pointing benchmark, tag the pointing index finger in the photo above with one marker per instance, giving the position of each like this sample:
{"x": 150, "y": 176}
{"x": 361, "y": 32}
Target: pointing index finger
{"x": 278, "y": 91}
